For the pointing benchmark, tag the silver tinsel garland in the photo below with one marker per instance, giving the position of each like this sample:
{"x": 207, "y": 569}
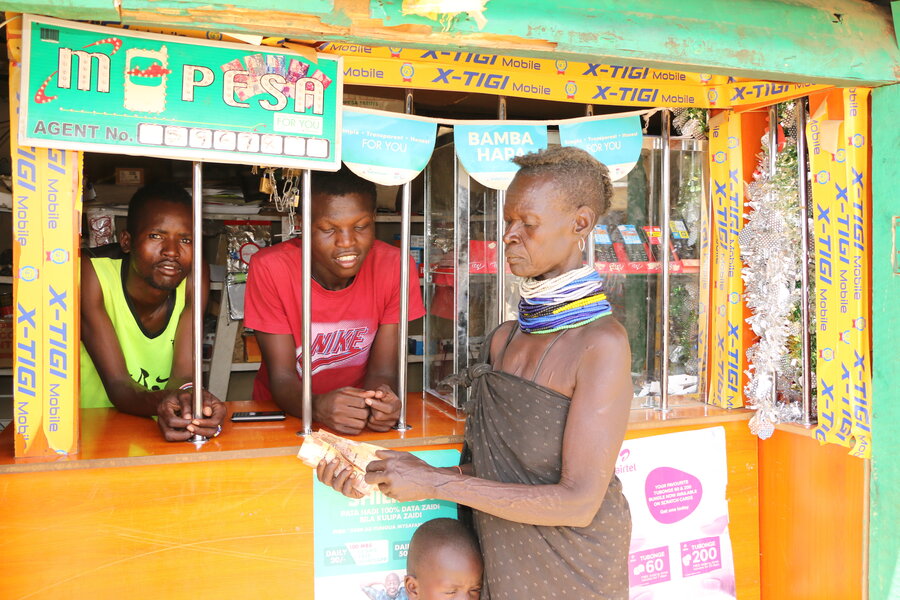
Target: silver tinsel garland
{"x": 770, "y": 251}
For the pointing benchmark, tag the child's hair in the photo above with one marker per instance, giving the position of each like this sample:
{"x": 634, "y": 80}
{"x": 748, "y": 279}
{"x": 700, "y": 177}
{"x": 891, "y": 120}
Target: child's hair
{"x": 439, "y": 533}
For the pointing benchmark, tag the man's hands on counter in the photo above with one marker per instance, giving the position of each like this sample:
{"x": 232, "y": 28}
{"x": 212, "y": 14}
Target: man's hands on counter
{"x": 176, "y": 422}
{"x": 349, "y": 409}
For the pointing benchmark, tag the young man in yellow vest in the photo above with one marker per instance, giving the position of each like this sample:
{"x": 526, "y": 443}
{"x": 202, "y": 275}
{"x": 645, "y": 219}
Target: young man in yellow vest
{"x": 136, "y": 351}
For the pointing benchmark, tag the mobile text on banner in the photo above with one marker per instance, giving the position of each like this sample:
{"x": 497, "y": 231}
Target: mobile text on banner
{"x": 727, "y": 360}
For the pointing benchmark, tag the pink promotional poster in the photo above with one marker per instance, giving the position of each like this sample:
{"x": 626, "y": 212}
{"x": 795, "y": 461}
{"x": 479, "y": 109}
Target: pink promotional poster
{"x": 680, "y": 547}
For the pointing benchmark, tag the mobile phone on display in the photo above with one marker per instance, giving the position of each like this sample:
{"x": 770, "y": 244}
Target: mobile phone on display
{"x": 258, "y": 415}
{"x": 603, "y": 246}
{"x": 634, "y": 246}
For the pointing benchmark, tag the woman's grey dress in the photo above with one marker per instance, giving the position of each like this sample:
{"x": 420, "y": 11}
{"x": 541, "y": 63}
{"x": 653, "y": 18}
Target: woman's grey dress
{"x": 514, "y": 434}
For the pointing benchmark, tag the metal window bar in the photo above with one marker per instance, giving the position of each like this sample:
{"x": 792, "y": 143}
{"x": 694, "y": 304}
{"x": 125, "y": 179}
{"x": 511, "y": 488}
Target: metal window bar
{"x": 501, "y": 261}
{"x": 803, "y": 182}
{"x": 403, "y": 350}
{"x": 773, "y": 162}
{"x": 197, "y": 320}
{"x": 306, "y": 241}
{"x": 665, "y": 216}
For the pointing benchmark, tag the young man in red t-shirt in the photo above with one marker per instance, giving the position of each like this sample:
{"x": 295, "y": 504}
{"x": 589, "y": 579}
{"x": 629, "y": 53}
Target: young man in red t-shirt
{"x": 355, "y": 312}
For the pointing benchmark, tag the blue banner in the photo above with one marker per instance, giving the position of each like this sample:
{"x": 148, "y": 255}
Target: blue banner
{"x": 486, "y": 151}
{"x": 361, "y": 544}
{"x": 614, "y": 142}
{"x": 386, "y": 149}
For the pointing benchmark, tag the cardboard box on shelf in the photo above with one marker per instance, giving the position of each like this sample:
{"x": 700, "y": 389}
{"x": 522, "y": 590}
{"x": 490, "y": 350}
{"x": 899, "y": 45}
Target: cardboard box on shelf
{"x": 6, "y": 342}
{"x": 251, "y": 349}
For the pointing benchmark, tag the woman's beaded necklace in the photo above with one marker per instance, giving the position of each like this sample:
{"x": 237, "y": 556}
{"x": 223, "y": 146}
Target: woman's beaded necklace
{"x": 570, "y": 300}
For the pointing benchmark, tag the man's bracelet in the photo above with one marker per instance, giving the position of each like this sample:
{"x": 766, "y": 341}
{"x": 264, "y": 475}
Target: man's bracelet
{"x": 186, "y": 386}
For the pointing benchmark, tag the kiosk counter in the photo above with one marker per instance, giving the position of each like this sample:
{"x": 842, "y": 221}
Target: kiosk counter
{"x": 235, "y": 518}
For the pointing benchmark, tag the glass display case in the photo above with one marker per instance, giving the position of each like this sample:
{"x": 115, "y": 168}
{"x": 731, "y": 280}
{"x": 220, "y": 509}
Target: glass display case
{"x": 460, "y": 271}
{"x": 461, "y": 268}
{"x": 628, "y": 249}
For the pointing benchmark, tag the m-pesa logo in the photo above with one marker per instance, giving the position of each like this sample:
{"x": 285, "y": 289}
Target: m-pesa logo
{"x": 335, "y": 348}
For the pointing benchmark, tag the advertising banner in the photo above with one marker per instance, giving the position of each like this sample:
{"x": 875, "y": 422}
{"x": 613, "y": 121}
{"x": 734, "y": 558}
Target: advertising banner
{"x": 680, "y": 546}
{"x": 362, "y": 544}
{"x": 386, "y": 148}
{"x": 614, "y": 142}
{"x": 838, "y": 150}
{"x": 727, "y": 360}
{"x": 47, "y": 217}
{"x": 557, "y": 80}
{"x": 486, "y": 151}
{"x": 121, "y": 91}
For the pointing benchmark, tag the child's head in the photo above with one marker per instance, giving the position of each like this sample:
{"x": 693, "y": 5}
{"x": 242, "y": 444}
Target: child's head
{"x": 443, "y": 559}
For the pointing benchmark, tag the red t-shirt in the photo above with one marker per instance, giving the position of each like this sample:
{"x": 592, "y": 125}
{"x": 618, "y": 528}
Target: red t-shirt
{"x": 344, "y": 322}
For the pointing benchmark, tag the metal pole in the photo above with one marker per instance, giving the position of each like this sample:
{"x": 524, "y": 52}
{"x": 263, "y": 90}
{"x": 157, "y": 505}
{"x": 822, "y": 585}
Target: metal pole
{"x": 665, "y": 201}
{"x": 773, "y": 163}
{"x": 803, "y": 178}
{"x": 501, "y": 260}
{"x": 196, "y": 264}
{"x": 306, "y": 240}
{"x": 403, "y": 350}
{"x": 589, "y": 249}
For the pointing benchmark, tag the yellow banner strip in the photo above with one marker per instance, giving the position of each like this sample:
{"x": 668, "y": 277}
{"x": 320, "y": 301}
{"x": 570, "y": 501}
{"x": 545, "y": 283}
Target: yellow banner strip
{"x": 59, "y": 174}
{"x": 839, "y": 158}
{"x": 480, "y": 79}
{"x": 703, "y": 313}
{"x": 27, "y": 212}
{"x": 753, "y": 94}
{"x": 533, "y": 67}
{"x": 727, "y": 360}
{"x": 855, "y": 355}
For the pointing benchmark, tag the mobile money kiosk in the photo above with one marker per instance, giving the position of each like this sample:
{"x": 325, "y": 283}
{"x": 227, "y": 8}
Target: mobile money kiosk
{"x": 245, "y": 495}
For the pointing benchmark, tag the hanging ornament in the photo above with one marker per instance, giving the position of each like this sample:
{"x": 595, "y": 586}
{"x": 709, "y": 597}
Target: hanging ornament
{"x": 771, "y": 254}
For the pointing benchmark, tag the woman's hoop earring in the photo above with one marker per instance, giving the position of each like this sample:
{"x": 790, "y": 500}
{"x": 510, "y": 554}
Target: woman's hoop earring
{"x": 581, "y": 244}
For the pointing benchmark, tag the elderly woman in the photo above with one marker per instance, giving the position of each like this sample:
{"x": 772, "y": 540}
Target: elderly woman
{"x": 549, "y": 406}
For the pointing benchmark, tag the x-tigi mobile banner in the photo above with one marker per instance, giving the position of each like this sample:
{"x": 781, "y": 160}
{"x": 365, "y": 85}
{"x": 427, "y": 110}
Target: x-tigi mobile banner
{"x": 838, "y": 146}
{"x": 360, "y": 546}
{"x": 102, "y": 89}
{"x": 386, "y": 148}
{"x": 727, "y": 358}
{"x": 47, "y": 216}
{"x": 487, "y": 150}
{"x": 557, "y": 80}
{"x": 616, "y": 142}
{"x": 680, "y": 546}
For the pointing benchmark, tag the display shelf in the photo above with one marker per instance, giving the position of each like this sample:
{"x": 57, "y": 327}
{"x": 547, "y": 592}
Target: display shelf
{"x": 391, "y": 218}
{"x": 643, "y": 268}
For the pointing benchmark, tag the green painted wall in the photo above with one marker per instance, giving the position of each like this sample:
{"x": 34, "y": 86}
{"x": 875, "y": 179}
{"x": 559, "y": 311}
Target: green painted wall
{"x": 884, "y": 529}
{"x": 839, "y": 41}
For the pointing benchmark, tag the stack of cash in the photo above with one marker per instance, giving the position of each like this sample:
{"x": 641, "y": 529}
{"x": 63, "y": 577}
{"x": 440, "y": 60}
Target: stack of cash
{"x": 321, "y": 445}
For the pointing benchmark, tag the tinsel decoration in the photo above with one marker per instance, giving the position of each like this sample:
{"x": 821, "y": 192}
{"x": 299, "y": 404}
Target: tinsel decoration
{"x": 690, "y": 122}
{"x": 771, "y": 253}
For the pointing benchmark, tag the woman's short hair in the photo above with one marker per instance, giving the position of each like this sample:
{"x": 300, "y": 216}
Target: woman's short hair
{"x": 584, "y": 179}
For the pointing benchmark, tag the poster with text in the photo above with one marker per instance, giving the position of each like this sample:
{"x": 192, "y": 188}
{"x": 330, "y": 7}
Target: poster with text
{"x": 680, "y": 546}
{"x": 360, "y": 545}
{"x": 104, "y": 89}
{"x": 486, "y": 151}
{"x": 384, "y": 148}
{"x": 616, "y": 142}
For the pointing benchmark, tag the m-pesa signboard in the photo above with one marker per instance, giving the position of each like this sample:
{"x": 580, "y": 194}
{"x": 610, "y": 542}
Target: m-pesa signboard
{"x": 103, "y": 89}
